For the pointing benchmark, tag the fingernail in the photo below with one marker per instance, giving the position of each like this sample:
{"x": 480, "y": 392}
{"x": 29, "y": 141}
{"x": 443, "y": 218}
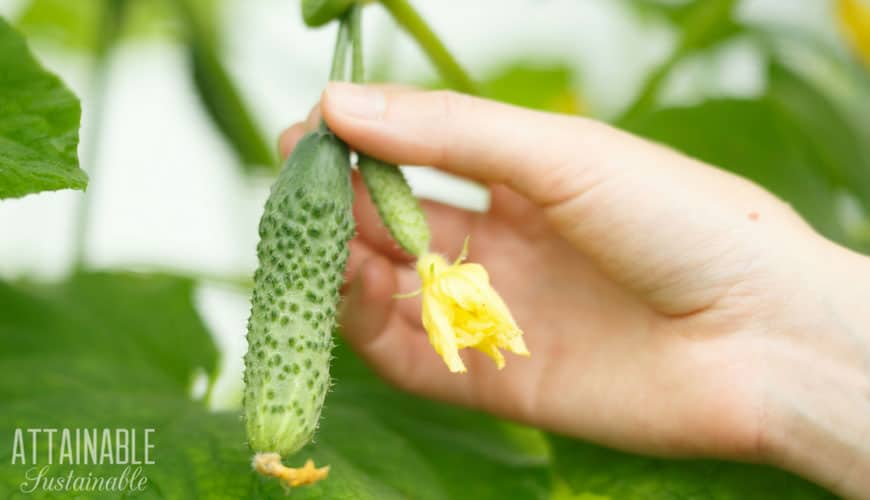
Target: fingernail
{"x": 356, "y": 101}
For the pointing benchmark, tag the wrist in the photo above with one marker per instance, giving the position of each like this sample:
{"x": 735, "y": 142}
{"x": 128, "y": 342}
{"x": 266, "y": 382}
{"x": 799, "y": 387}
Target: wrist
{"x": 818, "y": 418}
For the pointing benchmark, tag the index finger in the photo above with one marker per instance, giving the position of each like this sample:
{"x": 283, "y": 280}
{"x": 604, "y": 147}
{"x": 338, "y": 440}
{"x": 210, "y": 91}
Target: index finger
{"x": 546, "y": 157}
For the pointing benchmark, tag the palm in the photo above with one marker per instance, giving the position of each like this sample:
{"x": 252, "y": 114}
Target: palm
{"x": 594, "y": 344}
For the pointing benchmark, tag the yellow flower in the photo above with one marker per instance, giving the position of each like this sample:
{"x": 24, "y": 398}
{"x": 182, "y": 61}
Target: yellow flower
{"x": 854, "y": 16}
{"x": 461, "y": 309}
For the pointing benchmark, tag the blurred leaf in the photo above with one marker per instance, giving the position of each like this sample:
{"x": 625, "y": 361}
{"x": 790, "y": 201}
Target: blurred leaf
{"x": 219, "y": 94}
{"x": 75, "y": 24}
{"x": 704, "y": 23}
{"x": 117, "y": 351}
{"x": 78, "y": 25}
{"x": 657, "y": 7}
{"x": 829, "y": 101}
{"x": 120, "y": 350}
{"x": 753, "y": 139}
{"x": 796, "y": 141}
{"x": 68, "y": 24}
{"x": 593, "y": 472}
{"x": 838, "y": 146}
{"x": 98, "y": 327}
{"x": 838, "y": 79}
{"x": 700, "y": 24}
{"x": 39, "y": 124}
{"x": 467, "y": 454}
{"x": 534, "y": 85}
{"x": 827, "y": 94}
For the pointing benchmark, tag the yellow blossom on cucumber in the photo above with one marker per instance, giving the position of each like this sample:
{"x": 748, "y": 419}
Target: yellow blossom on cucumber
{"x": 461, "y": 309}
{"x": 269, "y": 464}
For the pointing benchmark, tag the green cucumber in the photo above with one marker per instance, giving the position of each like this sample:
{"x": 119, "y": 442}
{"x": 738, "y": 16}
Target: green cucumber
{"x": 302, "y": 253}
{"x": 398, "y": 207}
{"x": 387, "y": 187}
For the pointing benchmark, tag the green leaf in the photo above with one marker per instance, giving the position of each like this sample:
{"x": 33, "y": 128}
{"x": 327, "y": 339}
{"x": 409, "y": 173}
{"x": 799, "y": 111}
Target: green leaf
{"x": 841, "y": 151}
{"x": 468, "y": 454}
{"x": 702, "y": 23}
{"x": 753, "y": 139}
{"x": 602, "y": 473}
{"x": 121, "y": 350}
{"x": 840, "y": 144}
{"x": 68, "y": 24}
{"x": 77, "y": 24}
{"x": 536, "y": 85}
{"x": 828, "y": 95}
{"x": 39, "y": 124}
{"x": 798, "y": 141}
{"x": 543, "y": 85}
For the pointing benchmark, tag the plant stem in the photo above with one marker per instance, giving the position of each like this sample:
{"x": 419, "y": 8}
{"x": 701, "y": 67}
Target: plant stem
{"x": 646, "y": 99}
{"x": 698, "y": 31}
{"x": 339, "y": 56}
{"x": 409, "y": 19}
{"x": 389, "y": 190}
{"x": 337, "y": 72}
{"x": 357, "y": 72}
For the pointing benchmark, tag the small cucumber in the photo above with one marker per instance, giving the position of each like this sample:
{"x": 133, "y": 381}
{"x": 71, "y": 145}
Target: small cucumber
{"x": 398, "y": 207}
{"x": 302, "y": 253}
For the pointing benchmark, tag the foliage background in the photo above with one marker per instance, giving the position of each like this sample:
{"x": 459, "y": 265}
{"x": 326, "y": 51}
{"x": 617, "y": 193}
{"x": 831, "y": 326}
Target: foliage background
{"x": 181, "y": 101}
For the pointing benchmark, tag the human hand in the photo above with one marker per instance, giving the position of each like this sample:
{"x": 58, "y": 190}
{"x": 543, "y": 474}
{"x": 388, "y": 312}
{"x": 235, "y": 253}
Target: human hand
{"x": 670, "y": 307}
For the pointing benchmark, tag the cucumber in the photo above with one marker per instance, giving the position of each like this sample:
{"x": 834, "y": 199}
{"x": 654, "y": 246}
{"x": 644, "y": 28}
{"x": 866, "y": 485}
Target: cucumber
{"x": 304, "y": 230}
{"x": 398, "y": 207}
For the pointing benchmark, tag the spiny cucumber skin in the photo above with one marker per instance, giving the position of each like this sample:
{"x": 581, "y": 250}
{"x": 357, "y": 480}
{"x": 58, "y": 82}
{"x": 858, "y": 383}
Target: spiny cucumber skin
{"x": 398, "y": 207}
{"x": 304, "y": 230}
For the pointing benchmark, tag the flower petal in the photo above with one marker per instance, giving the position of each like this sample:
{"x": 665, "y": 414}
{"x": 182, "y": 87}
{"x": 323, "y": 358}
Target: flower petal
{"x": 441, "y": 334}
{"x": 491, "y": 350}
{"x": 461, "y": 309}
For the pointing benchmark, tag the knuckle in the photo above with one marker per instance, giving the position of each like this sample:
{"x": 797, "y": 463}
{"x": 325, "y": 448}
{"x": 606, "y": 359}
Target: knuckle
{"x": 449, "y": 104}
{"x": 449, "y": 109}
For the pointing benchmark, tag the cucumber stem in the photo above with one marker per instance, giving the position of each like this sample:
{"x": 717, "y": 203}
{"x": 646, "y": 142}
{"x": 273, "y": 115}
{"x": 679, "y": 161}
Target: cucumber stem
{"x": 338, "y": 72}
{"x": 357, "y": 73}
{"x": 339, "y": 56}
{"x": 389, "y": 190}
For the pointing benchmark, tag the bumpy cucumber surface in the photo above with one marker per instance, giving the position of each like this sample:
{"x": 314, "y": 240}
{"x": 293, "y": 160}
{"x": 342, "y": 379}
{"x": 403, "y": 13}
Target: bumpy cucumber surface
{"x": 398, "y": 207}
{"x": 302, "y": 253}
